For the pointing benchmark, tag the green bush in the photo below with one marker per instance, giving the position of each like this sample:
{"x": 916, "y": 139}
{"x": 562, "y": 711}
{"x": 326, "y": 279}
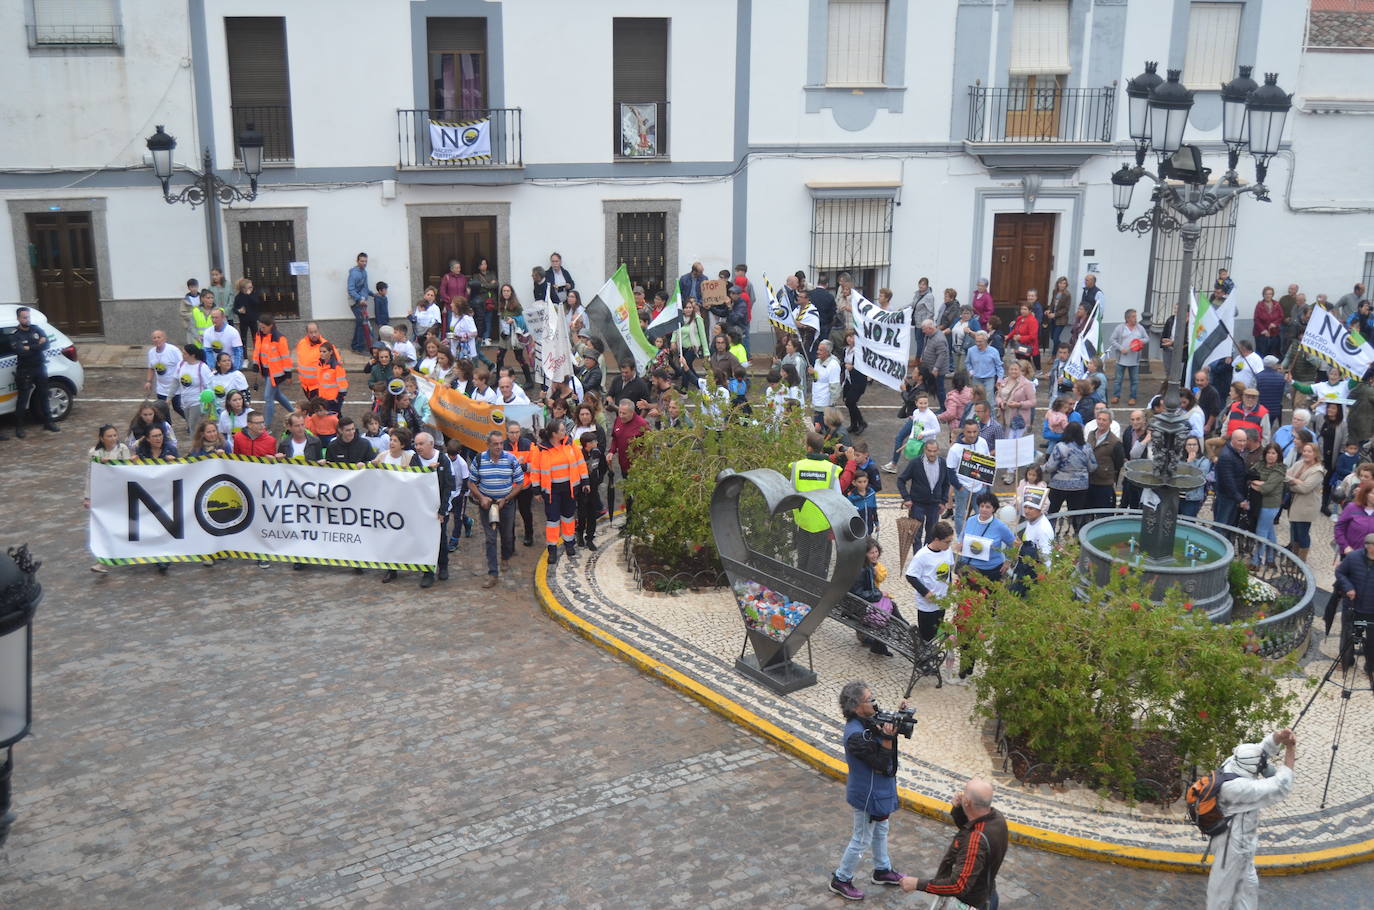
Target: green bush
{"x": 1088, "y": 684}
{"x": 675, "y": 473}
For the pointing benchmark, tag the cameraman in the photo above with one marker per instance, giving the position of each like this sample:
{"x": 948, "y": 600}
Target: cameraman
{"x": 1355, "y": 575}
{"x": 1253, "y": 784}
{"x": 871, "y": 753}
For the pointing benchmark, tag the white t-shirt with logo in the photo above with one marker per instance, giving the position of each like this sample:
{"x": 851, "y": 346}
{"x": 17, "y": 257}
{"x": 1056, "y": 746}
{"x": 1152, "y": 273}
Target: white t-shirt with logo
{"x": 1041, "y": 533}
{"x": 164, "y": 365}
{"x": 224, "y": 383}
{"x": 220, "y": 341}
{"x": 192, "y": 379}
{"x": 935, "y": 571}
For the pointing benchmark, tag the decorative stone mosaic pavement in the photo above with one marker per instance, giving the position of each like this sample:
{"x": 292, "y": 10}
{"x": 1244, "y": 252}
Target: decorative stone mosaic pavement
{"x": 700, "y": 635}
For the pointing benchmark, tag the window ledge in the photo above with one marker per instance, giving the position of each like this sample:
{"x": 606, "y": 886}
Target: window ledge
{"x": 855, "y": 89}
{"x": 635, "y": 159}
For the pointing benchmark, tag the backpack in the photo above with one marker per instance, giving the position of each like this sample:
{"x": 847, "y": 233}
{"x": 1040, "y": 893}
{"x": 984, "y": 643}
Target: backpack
{"x": 1203, "y": 800}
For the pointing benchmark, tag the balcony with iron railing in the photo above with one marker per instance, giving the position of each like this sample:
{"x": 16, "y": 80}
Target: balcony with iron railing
{"x": 274, "y": 122}
{"x": 1021, "y": 124}
{"x": 460, "y": 140}
{"x": 75, "y": 36}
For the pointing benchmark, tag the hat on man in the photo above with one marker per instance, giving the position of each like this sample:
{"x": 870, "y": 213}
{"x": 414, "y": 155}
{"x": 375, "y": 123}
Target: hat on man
{"x": 1271, "y": 361}
{"x": 1368, "y": 539}
{"x": 1249, "y": 392}
{"x": 1249, "y": 757}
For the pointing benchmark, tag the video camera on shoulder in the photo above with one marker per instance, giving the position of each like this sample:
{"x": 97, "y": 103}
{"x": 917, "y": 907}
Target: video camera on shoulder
{"x": 903, "y": 721}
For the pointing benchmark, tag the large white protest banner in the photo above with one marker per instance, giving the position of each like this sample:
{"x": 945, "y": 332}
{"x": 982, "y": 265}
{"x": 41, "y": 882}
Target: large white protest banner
{"x": 884, "y": 340}
{"x": 555, "y": 353}
{"x": 1331, "y": 342}
{"x": 449, "y": 141}
{"x": 1085, "y": 348}
{"x": 260, "y": 508}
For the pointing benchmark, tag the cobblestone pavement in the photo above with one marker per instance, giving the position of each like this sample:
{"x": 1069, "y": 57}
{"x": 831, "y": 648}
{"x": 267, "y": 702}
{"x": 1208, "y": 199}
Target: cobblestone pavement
{"x": 235, "y": 737}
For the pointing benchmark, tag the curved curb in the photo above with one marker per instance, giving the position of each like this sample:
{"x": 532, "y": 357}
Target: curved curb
{"x": 1021, "y": 833}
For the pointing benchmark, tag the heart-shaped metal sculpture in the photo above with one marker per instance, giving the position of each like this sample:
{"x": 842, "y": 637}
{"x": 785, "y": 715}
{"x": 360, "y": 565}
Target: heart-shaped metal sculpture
{"x": 782, "y": 602}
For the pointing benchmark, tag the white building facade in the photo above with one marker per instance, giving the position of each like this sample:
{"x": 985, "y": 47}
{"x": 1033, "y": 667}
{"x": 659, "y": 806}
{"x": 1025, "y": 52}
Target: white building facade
{"x": 951, "y": 139}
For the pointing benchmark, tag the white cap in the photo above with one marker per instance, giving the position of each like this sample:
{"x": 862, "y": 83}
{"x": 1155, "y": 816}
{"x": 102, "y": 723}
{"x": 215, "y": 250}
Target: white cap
{"x": 1271, "y": 361}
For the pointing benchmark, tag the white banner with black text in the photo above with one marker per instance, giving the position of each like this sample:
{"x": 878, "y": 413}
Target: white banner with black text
{"x": 883, "y": 339}
{"x": 372, "y": 516}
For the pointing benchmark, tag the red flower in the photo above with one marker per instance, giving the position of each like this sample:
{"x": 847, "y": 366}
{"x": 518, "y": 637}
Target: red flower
{"x": 1040, "y": 577}
{"x": 1202, "y": 715}
{"x": 1135, "y": 605}
{"x": 1187, "y": 606}
{"x": 1261, "y": 615}
{"x": 1122, "y": 570}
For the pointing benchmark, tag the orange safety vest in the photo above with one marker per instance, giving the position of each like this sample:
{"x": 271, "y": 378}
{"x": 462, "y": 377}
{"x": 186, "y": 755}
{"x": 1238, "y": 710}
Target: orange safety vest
{"x": 559, "y": 464}
{"x": 333, "y": 381}
{"x": 271, "y": 352}
{"x": 524, "y": 456}
{"x": 308, "y": 361}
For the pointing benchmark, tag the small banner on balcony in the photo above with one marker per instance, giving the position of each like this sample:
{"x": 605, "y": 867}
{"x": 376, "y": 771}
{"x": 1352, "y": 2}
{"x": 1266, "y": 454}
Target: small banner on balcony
{"x": 470, "y": 139}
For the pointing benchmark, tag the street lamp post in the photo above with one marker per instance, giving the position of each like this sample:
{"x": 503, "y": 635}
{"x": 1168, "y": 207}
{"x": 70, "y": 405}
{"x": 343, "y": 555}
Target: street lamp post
{"x": 20, "y": 593}
{"x": 1158, "y": 110}
{"x": 206, "y": 187}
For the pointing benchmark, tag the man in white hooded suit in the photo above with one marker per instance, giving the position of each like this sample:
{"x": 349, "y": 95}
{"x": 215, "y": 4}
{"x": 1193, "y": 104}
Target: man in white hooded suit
{"x": 1233, "y": 883}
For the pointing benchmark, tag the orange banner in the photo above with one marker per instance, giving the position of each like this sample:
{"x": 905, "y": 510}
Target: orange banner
{"x": 459, "y": 417}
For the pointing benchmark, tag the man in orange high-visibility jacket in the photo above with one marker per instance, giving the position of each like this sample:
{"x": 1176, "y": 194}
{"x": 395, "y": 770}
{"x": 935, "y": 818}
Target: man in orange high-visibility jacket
{"x": 333, "y": 387}
{"x": 272, "y": 356}
{"x": 308, "y": 359}
{"x": 559, "y": 469}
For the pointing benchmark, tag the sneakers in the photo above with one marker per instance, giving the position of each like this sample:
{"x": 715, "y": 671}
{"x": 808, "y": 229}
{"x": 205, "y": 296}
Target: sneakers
{"x": 845, "y": 890}
{"x": 427, "y": 580}
{"x": 491, "y": 582}
{"x": 886, "y": 877}
{"x": 890, "y": 467}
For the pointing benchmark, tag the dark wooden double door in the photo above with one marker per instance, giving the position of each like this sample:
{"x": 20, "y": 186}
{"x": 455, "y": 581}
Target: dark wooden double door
{"x": 467, "y": 239}
{"x": 1022, "y": 259}
{"x": 62, "y": 255}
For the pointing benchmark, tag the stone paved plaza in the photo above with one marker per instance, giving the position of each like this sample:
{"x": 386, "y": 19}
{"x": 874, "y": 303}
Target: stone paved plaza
{"x": 233, "y": 737}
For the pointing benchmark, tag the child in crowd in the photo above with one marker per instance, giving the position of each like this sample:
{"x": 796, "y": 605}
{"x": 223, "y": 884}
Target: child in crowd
{"x": 383, "y": 305}
{"x": 373, "y": 433}
{"x": 1346, "y": 461}
{"x": 589, "y": 504}
{"x": 402, "y": 351}
{"x": 865, "y": 501}
{"x": 1056, "y": 419}
{"x": 321, "y": 421}
{"x": 738, "y": 385}
{"x": 1035, "y": 477}
{"x": 775, "y": 393}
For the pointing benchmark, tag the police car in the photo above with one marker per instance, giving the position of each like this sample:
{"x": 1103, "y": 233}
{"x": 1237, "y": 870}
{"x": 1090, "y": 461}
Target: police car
{"x": 65, "y": 375}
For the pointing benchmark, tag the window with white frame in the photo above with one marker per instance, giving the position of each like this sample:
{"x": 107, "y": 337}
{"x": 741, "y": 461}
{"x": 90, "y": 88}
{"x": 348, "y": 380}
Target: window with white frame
{"x": 855, "y": 42}
{"x": 75, "y": 23}
{"x": 854, "y": 235}
{"x": 1213, "y": 32}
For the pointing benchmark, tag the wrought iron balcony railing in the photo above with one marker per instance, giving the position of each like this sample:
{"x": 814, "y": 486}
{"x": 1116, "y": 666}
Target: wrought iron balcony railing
{"x": 474, "y": 138}
{"x": 1033, "y": 114}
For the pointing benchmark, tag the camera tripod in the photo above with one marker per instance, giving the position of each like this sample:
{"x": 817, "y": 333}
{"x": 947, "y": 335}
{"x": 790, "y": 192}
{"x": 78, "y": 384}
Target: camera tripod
{"x": 1351, "y": 648}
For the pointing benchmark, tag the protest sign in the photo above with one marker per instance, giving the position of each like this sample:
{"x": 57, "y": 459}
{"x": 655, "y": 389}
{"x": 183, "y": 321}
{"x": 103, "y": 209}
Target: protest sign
{"x": 373, "y": 516}
{"x": 975, "y": 547}
{"x": 884, "y": 339}
{"x": 713, "y": 293}
{"x": 982, "y": 468}
{"x": 1015, "y": 453}
{"x": 1329, "y": 341}
{"x": 459, "y": 417}
{"x": 1036, "y": 498}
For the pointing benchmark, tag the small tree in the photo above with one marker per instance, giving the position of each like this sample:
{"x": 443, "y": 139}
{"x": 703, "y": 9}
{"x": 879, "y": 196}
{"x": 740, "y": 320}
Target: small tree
{"x": 675, "y": 474}
{"x": 1084, "y": 677}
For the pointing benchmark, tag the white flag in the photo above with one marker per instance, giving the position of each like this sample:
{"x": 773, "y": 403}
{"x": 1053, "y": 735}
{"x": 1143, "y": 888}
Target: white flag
{"x": 1329, "y": 341}
{"x": 556, "y": 351}
{"x": 468, "y": 139}
{"x": 1086, "y": 348}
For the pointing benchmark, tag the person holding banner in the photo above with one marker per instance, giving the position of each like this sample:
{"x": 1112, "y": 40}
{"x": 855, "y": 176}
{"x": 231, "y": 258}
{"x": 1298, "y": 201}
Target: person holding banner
{"x": 965, "y": 486}
{"x": 428, "y": 455}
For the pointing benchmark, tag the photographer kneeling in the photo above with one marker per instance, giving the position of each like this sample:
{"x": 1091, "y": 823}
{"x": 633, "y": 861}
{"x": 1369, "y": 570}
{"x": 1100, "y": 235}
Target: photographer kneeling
{"x": 870, "y": 750}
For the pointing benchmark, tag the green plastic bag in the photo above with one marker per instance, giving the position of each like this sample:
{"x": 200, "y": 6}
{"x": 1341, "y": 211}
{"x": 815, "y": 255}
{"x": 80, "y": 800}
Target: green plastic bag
{"x": 915, "y": 445}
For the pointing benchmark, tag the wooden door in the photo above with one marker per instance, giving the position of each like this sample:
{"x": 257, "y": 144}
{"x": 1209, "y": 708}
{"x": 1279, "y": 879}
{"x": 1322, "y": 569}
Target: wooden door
{"x": 63, "y": 259}
{"x": 1033, "y": 107}
{"x": 469, "y": 240}
{"x": 1022, "y": 258}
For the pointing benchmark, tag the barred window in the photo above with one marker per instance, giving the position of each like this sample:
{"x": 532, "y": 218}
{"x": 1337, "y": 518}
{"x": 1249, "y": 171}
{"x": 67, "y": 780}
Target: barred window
{"x": 855, "y": 42}
{"x": 853, "y": 235}
{"x": 269, "y": 247}
{"x": 1214, "y": 248}
{"x": 74, "y": 23}
{"x": 1368, "y": 281}
{"x": 641, "y": 244}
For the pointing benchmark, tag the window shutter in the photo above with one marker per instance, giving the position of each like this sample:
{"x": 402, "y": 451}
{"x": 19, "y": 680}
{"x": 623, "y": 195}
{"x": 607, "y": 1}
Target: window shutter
{"x": 640, "y": 60}
{"x": 258, "y": 72}
{"x": 456, "y": 36}
{"x": 1213, "y": 29}
{"x": 855, "y": 42}
{"x": 1040, "y": 38}
{"x": 74, "y": 13}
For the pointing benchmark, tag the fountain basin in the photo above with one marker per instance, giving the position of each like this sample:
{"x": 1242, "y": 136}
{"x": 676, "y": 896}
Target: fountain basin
{"x": 1199, "y": 565}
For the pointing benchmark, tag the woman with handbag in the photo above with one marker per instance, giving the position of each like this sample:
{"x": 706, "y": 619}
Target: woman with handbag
{"x": 867, "y": 587}
{"x": 1304, "y": 480}
{"x": 1024, "y": 335}
{"x": 515, "y": 333}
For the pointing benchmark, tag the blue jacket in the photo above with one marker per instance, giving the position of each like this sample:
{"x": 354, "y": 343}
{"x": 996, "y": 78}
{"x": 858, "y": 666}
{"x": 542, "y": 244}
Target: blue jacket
{"x": 867, "y": 507}
{"x": 872, "y": 784}
{"x": 357, "y": 284}
{"x": 1271, "y": 385}
{"x": 1355, "y": 573}
{"x": 689, "y": 285}
{"x": 1069, "y": 465}
{"x": 1231, "y": 470}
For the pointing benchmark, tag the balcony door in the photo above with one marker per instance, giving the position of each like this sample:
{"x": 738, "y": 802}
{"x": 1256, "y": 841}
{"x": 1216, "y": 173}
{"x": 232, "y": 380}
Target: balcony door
{"x": 467, "y": 239}
{"x": 457, "y": 67}
{"x": 62, "y": 252}
{"x": 1022, "y": 257}
{"x": 1033, "y": 106}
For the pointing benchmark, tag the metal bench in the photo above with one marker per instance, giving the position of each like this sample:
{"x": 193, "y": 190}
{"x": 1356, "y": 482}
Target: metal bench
{"x": 900, "y": 638}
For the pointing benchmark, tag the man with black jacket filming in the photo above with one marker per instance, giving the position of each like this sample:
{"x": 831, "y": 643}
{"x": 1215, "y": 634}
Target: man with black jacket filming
{"x": 871, "y": 753}
{"x": 969, "y": 868}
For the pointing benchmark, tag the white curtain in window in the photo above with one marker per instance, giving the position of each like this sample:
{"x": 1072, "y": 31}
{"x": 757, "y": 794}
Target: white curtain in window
{"x": 854, "y": 42}
{"x": 1040, "y": 37}
{"x": 853, "y": 233}
{"x": 1213, "y": 29}
{"x": 74, "y": 13}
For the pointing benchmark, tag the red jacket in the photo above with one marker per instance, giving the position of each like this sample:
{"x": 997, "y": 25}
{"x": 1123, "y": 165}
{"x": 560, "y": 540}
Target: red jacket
{"x": 1026, "y": 330}
{"x": 266, "y": 444}
{"x": 1268, "y": 318}
{"x": 622, "y": 434}
{"x": 451, "y": 286}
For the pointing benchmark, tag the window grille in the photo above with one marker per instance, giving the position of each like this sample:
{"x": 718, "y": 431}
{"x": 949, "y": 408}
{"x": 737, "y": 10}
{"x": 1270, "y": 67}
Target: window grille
{"x": 855, "y": 42}
{"x": 268, "y": 249}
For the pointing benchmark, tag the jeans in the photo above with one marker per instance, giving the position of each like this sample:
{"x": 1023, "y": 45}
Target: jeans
{"x": 900, "y": 442}
{"x": 359, "y": 342}
{"x": 928, "y": 514}
{"x": 961, "y": 501}
{"x": 1101, "y": 496}
{"x": 271, "y": 394}
{"x": 989, "y": 387}
{"x": 1190, "y": 507}
{"x": 1266, "y": 531}
{"x": 1301, "y": 532}
{"x": 1121, "y": 371}
{"x": 1055, "y": 332}
{"x": 506, "y": 531}
{"x": 1266, "y": 345}
{"x": 1225, "y": 510}
{"x": 866, "y": 833}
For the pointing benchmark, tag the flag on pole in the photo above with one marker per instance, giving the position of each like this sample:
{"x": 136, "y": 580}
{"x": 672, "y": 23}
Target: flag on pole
{"x": 668, "y": 320}
{"x": 1330, "y": 342}
{"x": 555, "y": 358}
{"x": 615, "y": 321}
{"x": 1210, "y": 331}
{"x": 1085, "y": 348}
{"x": 780, "y": 314}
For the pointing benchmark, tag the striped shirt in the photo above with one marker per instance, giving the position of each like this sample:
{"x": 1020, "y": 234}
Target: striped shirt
{"x": 496, "y": 478}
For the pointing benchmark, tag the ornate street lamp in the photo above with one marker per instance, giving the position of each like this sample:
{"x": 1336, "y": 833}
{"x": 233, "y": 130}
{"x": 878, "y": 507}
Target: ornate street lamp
{"x": 1234, "y": 97}
{"x": 1170, "y": 103}
{"x": 207, "y": 185}
{"x": 1266, "y": 111}
{"x": 20, "y": 593}
{"x": 1138, "y": 108}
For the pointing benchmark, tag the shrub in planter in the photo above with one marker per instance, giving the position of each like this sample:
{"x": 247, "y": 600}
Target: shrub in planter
{"x": 1090, "y": 685}
{"x": 675, "y": 472}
